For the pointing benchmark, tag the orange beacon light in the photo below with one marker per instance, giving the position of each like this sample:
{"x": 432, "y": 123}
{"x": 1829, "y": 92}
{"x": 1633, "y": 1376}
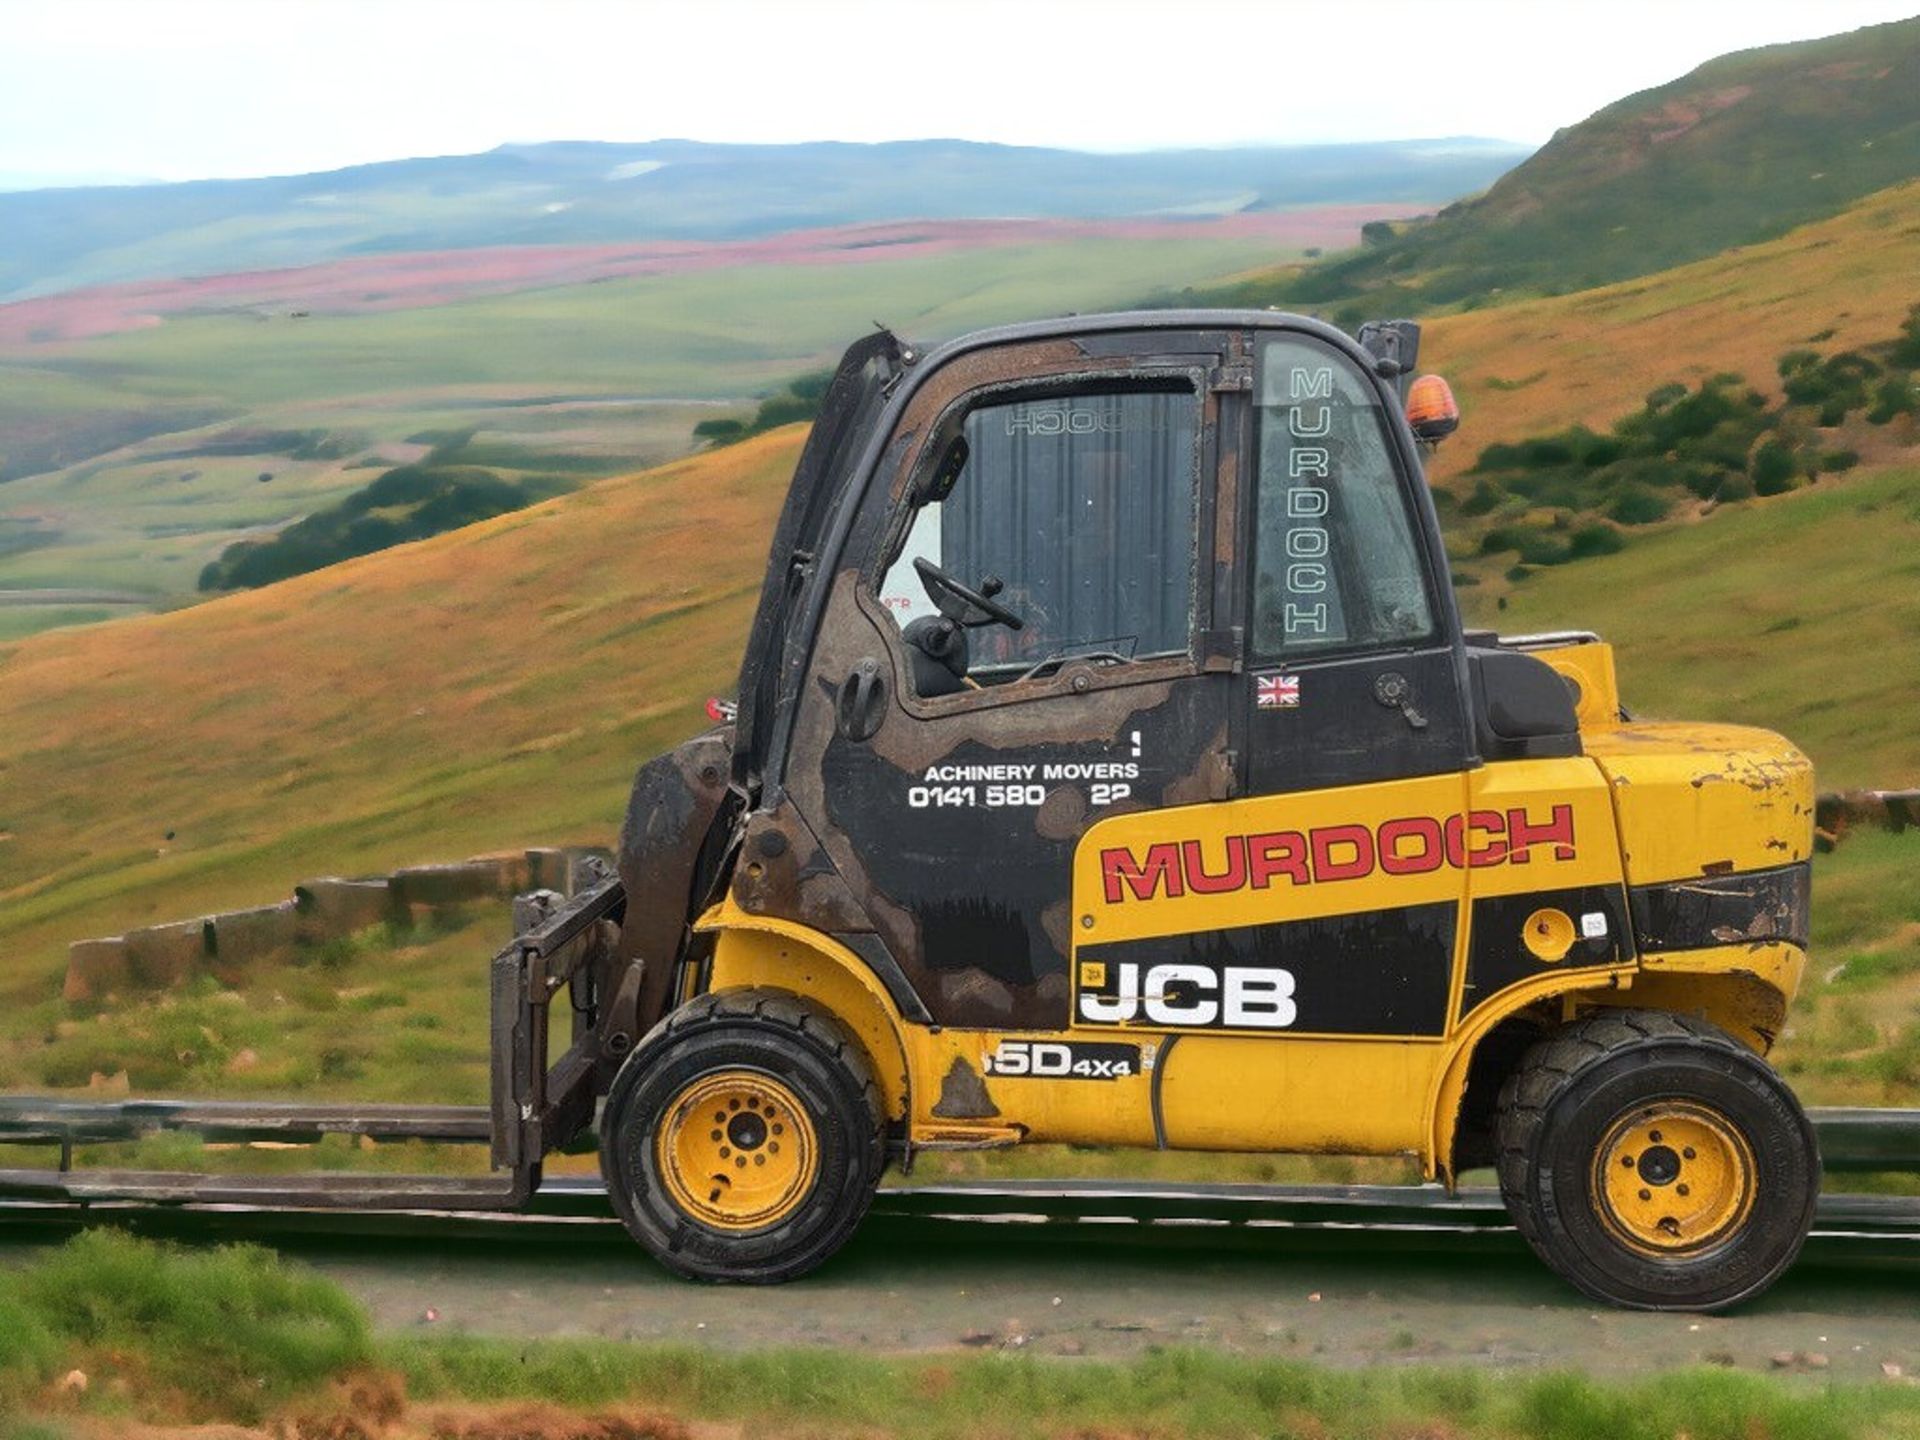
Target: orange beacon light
{"x": 1431, "y": 410}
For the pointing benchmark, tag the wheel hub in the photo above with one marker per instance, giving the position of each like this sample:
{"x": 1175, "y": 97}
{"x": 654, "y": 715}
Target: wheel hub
{"x": 1673, "y": 1178}
{"x": 737, "y": 1151}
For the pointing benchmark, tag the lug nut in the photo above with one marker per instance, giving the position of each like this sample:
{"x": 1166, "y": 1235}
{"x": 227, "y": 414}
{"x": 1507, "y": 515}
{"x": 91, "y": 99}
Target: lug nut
{"x": 1646, "y": 1194}
{"x": 1654, "y": 1136}
{"x": 1683, "y": 1190}
{"x": 1688, "y": 1152}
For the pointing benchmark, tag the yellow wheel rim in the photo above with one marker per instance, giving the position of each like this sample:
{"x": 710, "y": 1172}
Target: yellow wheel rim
{"x": 1673, "y": 1178}
{"x": 737, "y": 1151}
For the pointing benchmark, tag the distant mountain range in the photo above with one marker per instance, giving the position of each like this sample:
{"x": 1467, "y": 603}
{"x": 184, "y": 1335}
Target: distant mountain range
{"x": 589, "y": 193}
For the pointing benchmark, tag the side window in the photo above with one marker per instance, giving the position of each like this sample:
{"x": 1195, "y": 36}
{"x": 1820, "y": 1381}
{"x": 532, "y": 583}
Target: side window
{"x": 1081, "y": 507}
{"x": 1337, "y": 562}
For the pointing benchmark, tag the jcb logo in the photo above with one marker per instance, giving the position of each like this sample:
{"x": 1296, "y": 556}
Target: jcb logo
{"x": 1184, "y": 995}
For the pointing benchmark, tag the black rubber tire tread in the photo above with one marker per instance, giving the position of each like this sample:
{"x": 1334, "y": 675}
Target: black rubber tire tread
{"x": 791, "y": 1036}
{"x": 1562, "y": 1072}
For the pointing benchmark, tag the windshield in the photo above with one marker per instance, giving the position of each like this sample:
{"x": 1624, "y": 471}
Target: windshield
{"x": 1337, "y": 559}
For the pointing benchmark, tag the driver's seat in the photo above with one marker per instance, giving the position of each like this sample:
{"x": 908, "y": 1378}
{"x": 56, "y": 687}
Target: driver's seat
{"x": 937, "y": 649}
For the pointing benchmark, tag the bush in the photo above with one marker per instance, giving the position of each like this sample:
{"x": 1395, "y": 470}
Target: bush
{"x": 1894, "y": 396}
{"x": 411, "y": 502}
{"x": 1836, "y": 462}
{"x": 1772, "y": 468}
{"x": 1905, "y": 351}
{"x": 1595, "y": 539}
{"x": 1637, "y": 504}
{"x": 720, "y": 431}
{"x": 1735, "y": 486}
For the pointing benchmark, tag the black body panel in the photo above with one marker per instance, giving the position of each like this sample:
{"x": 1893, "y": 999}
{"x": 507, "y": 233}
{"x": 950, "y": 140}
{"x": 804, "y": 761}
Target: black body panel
{"x": 1498, "y": 957}
{"x": 1340, "y": 733}
{"x": 1725, "y": 909}
{"x": 1374, "y": 972}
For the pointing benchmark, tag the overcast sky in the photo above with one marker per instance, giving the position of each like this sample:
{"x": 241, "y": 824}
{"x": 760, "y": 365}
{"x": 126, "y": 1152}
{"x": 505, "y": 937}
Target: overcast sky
{"x": 179, "y": 89}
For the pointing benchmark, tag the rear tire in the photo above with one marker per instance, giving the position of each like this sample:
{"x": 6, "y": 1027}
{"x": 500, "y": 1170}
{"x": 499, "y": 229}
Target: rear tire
{"x": 742, "y": 1140}
{"x": 1656, "y": 1163}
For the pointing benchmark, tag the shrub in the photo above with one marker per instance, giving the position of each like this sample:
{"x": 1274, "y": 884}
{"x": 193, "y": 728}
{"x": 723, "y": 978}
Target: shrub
{"x": 1894, "y": 396}
{"x": 410, "y": 502}
{"x": 1772, "y": 468}
{"x": 720, "y": 431}
{"x": 1735, "y": 486}
{"x": 1637, "y": 504}
{"x": 1905, "y": 351}
{"x": 1836, "y": 462}
{"x": 1595, "y": 539}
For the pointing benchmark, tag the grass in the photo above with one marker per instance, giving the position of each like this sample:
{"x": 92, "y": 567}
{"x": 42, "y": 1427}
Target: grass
{"x": 1849, "y": 278}
{"x": 584, "y": 379}
{"x": 1735, "y": 152}
{"x": 1798, "y": 613}
{"x": 238, "y": 1334}
{"x": 230, "y": 1332}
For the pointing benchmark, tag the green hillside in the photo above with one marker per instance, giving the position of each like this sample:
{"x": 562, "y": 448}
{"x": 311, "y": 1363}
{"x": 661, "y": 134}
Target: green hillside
{"x": 160, "y": 436}
{"x": 1744, "y": 148}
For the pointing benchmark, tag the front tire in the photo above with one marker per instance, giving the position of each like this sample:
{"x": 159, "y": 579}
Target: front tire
{"x": 1656, "y": 1163}
{"x": 742, "y": 1140}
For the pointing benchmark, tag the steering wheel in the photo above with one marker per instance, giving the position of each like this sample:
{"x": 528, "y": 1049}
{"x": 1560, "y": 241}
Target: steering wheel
{"x": 944, "y": 590}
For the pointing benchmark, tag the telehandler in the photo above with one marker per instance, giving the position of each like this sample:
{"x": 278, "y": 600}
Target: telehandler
{"x": 1110, "y": 766}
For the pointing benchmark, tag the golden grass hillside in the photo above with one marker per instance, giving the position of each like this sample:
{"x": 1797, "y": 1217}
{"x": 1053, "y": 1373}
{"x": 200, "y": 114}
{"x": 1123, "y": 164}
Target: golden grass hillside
{"x": 497, "y": 686}
{"x": 492, "y": 687}
{"x": 1540, "y": 365}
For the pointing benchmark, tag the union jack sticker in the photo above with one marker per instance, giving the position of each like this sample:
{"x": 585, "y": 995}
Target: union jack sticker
{"x": 1276, "y": 692}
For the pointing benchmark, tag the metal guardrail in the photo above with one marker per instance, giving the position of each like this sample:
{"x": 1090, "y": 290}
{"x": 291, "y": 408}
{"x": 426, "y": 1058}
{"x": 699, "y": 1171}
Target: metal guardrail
{"x": 576, "y": 1208}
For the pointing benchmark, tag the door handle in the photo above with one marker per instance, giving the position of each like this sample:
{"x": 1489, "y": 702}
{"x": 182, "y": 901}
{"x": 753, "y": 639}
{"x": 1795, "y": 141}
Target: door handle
{"x": 861, "y": 702}
{"x": 1395, "y": 691}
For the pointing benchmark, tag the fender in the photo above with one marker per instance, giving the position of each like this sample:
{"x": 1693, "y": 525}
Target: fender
{"x": 1450, "y": 1082}
{"x": 757, "y": 950}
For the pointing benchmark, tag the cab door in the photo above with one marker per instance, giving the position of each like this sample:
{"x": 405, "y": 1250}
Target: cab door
{"x": 948, "y": 768}
{"x": 1302, "y": 943}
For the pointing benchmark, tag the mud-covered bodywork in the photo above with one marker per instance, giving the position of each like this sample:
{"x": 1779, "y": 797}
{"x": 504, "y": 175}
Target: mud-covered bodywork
{"x": 672, "y": 846}
{"x": 1346, "y": 880}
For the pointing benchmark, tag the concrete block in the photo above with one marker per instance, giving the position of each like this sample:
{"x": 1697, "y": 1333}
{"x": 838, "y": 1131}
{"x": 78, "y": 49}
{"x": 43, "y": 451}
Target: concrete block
{"x": 96, "y": 969}
{"x": 161, "y": 956}
{"x": 456, "y": 884}
{"x": 516, "y": 870}
{"x": 547, "y": 869}
{"x": 242, "y": 937}
{"x": 330, "y": 907}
